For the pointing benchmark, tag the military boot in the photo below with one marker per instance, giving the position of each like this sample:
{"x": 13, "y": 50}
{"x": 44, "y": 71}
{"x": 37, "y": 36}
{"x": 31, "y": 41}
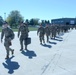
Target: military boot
{"x": 12, "y": 51}
{"x": 7, "y": 57}
{"x": 26, "y": 47}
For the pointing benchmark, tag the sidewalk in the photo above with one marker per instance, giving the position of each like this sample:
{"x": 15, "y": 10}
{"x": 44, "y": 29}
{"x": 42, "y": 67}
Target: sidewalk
{"x": 58, "y": 57}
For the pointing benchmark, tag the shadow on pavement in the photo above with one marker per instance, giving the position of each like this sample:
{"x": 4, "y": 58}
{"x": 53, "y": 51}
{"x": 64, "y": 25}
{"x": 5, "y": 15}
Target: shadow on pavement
{"x": 45, "y": 45}
{"x": 11, "y": 65}
{"x": 53, "y": 43}
{"x": 57, "y": 39}
{"x": 28, "y": 53}
{"x": 61, "y": 34}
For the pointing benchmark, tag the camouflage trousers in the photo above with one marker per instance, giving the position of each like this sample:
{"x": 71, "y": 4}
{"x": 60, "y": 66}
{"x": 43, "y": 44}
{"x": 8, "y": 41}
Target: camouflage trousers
{"x": 41, "y": 38}
{"x": 53, "y": 35}
{"x": 47, "y": 36}
{"x": 7, "y": 47}
{"x": 23, "y": 40}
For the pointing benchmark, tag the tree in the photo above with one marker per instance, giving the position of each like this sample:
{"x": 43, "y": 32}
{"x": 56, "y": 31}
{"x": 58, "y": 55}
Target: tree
{"x": 47, "y": 22}
{"x": 31, "y": 22}
{"x": 43, "y": 22}
{"x": 27, "y": 21}
{"x": 1, "y": 21}
{"x": 34, "y": 21}
{"x": 14, "y": 18}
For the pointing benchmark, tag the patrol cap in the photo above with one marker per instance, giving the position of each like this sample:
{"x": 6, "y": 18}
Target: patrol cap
{"x": 21, "y": 22}
{"x": 26, "y": 23}
{"x": 5, "y": 22}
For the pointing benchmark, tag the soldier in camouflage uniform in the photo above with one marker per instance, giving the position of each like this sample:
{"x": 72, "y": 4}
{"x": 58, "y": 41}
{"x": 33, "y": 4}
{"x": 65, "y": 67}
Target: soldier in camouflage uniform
{"x": 41, "y": 32}
{"x": 47, "y": 32}
{"x": 23, "y": 29}
{"x": 54, "y": 29}
{"x": 9, "y": 35}
{"x": 58, "y": 29}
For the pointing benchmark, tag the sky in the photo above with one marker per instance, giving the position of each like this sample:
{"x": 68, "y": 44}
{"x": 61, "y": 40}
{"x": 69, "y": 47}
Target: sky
{"x": 42, "y": 9}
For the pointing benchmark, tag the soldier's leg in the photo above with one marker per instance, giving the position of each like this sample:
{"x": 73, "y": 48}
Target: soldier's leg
{"x": 58, "y": 32}
{"x": 25, "y": 47}
{"x": 47, "y": 38}
{"x": 12, "y": 50}
{"x": 43, "y": 39}
{"x": 21, "y": 43}
{"x": 25, "y": 43}
{"x": 54, "y": 35}
{"x": 7, "y": 49}
{"x": 40, "y": 38}
{"x": 50, "y": 35}
{"x": 7, "y": 52}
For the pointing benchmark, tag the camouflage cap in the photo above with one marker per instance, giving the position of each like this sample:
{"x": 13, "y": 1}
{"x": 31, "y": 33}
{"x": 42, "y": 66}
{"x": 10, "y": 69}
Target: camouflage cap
{"x": 5, "y": 22}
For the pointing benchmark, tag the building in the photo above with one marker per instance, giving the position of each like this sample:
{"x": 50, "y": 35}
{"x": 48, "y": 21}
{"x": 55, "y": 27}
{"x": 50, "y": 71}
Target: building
{"x": 65, "y": 21}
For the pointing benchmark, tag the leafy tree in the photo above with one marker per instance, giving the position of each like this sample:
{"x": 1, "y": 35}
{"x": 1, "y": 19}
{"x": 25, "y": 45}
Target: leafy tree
{"x": 1, "y": 21}
{"x": 43, "y": 22}
{"x": 47, "y": 22}
{"x": 31, "y": 22}
{"x": 14, "y": 18}
{"x": 27, "y": 21}
{"x": 34, "y": 21}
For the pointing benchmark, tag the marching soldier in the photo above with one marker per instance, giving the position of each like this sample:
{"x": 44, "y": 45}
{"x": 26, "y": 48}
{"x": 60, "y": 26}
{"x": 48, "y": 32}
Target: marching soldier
{"x": 23, "y": 29}
{"x": 9, "y": 35}
{"x": 54, "y": 29}
{"x": 41, "y": 33}
{"x": 47, "y": 32}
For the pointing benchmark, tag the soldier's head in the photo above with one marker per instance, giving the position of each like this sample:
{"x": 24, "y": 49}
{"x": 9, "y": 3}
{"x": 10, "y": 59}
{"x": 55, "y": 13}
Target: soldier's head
{"x": 21, "y": 23}
{"x": 26, "y": 24}
{"x": 47, "y": 25}
{"x": 40, "y": 25}
{"x": 5, "y": 25}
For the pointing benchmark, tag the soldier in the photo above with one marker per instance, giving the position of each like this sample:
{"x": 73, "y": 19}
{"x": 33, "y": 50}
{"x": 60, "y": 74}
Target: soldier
{"x": 58, "y": 29}
{"x": 9, "y": 35}
{"x": 54, "y": 29}
{"x": 47, "y": 32}
{"x": 41, "y": 32}
{"x": 24, "y": 35}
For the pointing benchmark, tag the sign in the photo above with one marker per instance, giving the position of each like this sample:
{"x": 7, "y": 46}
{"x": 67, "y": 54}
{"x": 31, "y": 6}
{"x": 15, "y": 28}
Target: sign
{"x": 72, "y": 22}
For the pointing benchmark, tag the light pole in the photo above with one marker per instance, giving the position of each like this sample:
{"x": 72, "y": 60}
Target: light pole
{"x": 4, "y": 16}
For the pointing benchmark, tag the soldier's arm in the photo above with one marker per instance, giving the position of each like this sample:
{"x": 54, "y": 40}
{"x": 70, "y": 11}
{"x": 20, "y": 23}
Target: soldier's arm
{"x": 18, "y": 31}
{"x": 27, "y": 29}
{"x": 44, "y": 30}
{"x": 38, "y": 31}
{"x": 2, "y": 35}
{"x": 12, "y": 34}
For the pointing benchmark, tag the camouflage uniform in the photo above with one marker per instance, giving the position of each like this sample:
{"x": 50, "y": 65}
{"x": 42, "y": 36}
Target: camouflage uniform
{"x": 9, "y": 35}
{"x": 54, "y": 29}
{"x": 24, "y": 35}
{"x": 41, "y": 32}
{"x": 58, "y": 29}
{"x": 47, "y": 32}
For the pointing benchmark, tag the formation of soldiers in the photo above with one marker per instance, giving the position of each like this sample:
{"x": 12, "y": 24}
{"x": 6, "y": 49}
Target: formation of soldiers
{"x": 49, "y": 30}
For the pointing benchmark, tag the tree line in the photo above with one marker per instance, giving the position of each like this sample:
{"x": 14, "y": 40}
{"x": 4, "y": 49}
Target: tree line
{"x": 15, "y": 18}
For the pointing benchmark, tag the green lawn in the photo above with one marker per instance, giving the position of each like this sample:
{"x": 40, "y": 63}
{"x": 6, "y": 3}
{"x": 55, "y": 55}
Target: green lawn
{"x": 30, "y": 29}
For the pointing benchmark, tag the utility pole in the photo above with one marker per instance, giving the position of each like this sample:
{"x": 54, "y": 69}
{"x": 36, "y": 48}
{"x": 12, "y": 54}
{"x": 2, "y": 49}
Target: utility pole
{"x": 4, "y": 16}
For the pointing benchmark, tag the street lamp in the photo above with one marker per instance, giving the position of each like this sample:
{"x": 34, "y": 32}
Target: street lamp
{"x": 4, "y": 16}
